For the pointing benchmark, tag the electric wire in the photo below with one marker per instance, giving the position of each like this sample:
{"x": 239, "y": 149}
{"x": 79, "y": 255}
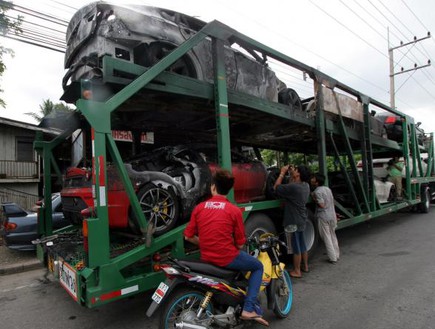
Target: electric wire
{"x": 39, "y": 25}
{"x": 56, "y": 20}
{"x": 399, "y": 30}
{"x": 348, "y": 29}
{"x": 316, "y": 54}
{"x": 363, "y": 20}
{"x": 34, "y": 13}
{"x": 74, "y": 9}
{"x": 415, "y": 16}
{"x": 34, "y": 43}
{"x": 411, "y": 32}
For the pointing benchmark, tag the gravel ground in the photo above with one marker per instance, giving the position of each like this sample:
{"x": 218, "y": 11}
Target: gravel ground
{"x": 11, "y": 257}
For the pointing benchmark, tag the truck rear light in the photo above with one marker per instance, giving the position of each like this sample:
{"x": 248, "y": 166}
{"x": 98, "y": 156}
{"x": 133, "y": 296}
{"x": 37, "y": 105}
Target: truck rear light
{"x": 85, "y": 235}
{"x": 157, "y": 257}
{"x": 157, "y": 268}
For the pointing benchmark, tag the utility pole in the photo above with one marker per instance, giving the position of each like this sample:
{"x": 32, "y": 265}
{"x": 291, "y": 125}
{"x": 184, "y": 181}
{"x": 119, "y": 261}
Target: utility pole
{"x": 392, "y": 73}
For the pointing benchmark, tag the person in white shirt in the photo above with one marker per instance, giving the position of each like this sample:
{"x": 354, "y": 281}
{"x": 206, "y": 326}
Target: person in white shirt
{"x": 326, "y": 216}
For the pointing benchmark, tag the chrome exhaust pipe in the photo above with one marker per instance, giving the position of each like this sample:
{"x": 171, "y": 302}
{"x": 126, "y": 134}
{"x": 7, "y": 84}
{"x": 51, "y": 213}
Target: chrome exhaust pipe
{"x": 184, "y": 325}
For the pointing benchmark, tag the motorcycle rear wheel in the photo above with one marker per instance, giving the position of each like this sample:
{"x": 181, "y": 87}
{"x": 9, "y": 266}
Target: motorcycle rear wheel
{"x": 283, "y": 296}
{"x": 183, "y": 306}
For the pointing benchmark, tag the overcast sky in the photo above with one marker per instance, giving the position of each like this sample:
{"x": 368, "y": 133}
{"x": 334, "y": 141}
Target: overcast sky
{"x": 347, "y": 39}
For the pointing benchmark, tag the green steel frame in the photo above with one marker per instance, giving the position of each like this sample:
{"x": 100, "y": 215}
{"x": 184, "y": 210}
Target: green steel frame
{"x": 103, "y": 275}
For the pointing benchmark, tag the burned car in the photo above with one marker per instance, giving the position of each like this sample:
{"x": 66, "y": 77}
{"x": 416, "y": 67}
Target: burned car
{"x": 168, "y": 182}
{"x": 393, "y": 125}
{"x": 143, "y": 35}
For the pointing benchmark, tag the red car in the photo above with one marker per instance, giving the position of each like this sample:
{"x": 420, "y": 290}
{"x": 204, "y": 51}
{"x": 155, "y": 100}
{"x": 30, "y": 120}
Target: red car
{"x": 169, "y": 182}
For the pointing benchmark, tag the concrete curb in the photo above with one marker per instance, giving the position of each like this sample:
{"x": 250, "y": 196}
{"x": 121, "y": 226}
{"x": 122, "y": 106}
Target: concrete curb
{"x": 21, "y": 267}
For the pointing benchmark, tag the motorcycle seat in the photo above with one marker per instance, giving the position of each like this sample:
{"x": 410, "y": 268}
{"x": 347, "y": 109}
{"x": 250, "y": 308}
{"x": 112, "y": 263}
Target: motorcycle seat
{"x": 207, "y": 268}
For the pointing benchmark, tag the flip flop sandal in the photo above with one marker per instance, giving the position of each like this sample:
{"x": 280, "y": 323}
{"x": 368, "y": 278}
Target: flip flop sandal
{"x": 295, "y": 276}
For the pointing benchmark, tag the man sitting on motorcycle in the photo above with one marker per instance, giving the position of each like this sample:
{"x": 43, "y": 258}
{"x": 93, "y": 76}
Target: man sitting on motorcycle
{"x": 216, "y": 225}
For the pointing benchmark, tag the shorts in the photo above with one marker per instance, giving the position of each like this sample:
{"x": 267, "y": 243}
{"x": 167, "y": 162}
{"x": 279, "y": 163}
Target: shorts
{"x": 298, "y": 243}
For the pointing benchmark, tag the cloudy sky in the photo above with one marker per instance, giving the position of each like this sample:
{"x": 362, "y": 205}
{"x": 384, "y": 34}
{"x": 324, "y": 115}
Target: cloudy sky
{"x": 346, "y": 39}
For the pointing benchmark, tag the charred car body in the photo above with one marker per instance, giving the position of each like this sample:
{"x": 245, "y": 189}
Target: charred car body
{"x": 168, "y": 181}
{"x": 144, "y": 35}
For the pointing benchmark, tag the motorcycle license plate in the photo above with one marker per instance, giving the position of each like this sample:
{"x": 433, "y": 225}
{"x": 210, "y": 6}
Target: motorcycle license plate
{"x": 160, "y": 292}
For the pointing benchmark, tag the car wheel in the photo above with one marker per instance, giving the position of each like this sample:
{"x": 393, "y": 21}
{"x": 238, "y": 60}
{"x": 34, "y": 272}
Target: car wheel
{"x": 424, "y": 206}
{"x": 158, "y": 50}
{"x": 392, "y": 194}
{"x": 159, "y": 206}
{"x": 258, "y": 224}
{"x": 290, "y": 97}
{"x": 311, "y": 234}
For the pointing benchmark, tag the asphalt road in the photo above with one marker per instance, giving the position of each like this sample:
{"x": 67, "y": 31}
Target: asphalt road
{"x": 384, "y": 279}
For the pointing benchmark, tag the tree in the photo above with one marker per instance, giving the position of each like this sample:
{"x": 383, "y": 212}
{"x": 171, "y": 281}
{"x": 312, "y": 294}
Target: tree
{"x": 48, "y": 107}
{"x": 7, "y": 25}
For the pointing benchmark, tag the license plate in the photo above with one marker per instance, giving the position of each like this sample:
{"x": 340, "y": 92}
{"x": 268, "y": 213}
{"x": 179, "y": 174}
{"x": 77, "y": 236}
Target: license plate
{"x": 160, "y": 292}
{"x": 68, "y": 278}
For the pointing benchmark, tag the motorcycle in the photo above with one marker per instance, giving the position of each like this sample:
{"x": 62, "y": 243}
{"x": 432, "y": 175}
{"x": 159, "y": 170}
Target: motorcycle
{"x": 198, "y": 295}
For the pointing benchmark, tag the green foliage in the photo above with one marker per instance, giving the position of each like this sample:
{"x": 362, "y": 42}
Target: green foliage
{"x": 279, "y": 159}
{"x": 48, "y": 107}
{"x": 7, "y": 26}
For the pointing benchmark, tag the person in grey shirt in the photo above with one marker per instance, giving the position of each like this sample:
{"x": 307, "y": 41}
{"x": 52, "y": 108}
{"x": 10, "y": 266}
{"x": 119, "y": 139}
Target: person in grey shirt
{"x": 326, "y": 216}
{"x": 296, "y": 194}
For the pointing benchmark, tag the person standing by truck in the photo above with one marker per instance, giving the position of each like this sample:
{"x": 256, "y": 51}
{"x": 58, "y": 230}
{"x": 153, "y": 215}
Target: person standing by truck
{"x": 395, "y": 169}
{"x": 295, "y": 194}
{"x": 216, "y": 225}
{"x": 326, "y": 216}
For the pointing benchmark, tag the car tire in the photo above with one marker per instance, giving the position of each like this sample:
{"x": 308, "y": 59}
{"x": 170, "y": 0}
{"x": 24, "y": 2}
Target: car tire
{"x": 159, "y": 205}
{"x": 392, "y": 194}
{"x": 258, "y": 224}
{"x": 424, "y": 206}
{"x": 311, "y": 234}
{"x": 290, "y": 97}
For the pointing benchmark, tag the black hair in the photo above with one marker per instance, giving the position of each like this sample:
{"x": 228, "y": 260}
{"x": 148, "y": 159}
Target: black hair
{"x": 320, "y": 178}
{"x": 223, "y": 180}
{"x": 305, "y": 173}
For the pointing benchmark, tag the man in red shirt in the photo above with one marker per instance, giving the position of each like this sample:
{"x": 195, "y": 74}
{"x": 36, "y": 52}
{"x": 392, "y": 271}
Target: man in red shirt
{"x": 216, "y": 225}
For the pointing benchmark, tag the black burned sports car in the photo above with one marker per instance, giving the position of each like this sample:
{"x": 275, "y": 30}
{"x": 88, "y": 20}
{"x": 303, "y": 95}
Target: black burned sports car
{"x": 143, "y": 35}
{"x": 168, "y": 182}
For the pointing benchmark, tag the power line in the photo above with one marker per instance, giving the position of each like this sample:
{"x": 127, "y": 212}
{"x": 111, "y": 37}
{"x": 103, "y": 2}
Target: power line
{"x": 34, "y": 44}
{"x": 355, "y": 34}
{"x": 40, "y": 15}
{"x": 416, "y": 17}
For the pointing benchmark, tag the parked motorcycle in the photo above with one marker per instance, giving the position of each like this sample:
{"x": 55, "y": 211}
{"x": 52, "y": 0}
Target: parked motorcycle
{"x": 198, "y": 295}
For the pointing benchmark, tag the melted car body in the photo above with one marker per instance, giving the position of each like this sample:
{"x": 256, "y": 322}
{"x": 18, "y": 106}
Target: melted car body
{"x": 168, "y": 182}
{"x": 143, "y": 35}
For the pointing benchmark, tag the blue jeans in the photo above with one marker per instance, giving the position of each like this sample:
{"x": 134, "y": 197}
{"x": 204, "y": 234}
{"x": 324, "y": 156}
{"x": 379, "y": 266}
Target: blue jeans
{"x": 246, "y": 262}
